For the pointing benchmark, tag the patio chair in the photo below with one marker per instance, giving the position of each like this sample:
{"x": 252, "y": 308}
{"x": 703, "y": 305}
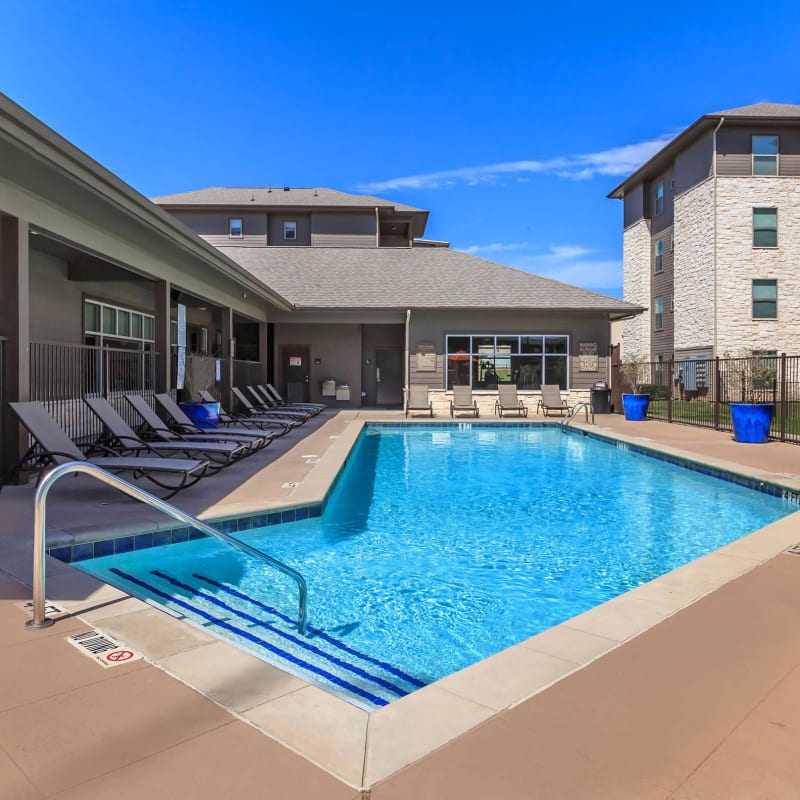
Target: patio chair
{"x": 462, "y": 401}
{"x": 263, "y": 421}
{"x": 53, "y": 446}
{"x": 263, "y": 410}
{"x": 271, "y": 393}
{"x": 154, "y": 426}
{"x": 269, "y": 406}
{"x": 184, "y": 424}
{"x": 121, "y": 438}
{"x": 507, "y": 400}
{"x": 418, "y": 400}
{"x": 551, "y": 400}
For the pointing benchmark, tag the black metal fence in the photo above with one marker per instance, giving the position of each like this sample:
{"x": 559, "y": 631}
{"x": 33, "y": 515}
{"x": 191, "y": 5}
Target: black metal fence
{"x": 62, "y": 374}
{"x": 698, "y": 391}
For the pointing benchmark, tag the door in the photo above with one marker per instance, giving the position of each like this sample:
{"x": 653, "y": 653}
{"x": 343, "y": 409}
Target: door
{"x": 294, "y": 361}
{"x": 389, "y": 376}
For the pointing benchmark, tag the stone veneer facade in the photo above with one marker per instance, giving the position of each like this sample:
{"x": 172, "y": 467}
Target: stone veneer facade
{"x": 739, "y": 263}
{"x": 694, "y": 268}
{"x": 636, "y": 272}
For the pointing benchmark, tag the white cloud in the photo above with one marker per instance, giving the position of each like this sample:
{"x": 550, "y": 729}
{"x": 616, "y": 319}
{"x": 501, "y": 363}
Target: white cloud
{"x": 616, "y": 161}
{"x": 573, "y": 264}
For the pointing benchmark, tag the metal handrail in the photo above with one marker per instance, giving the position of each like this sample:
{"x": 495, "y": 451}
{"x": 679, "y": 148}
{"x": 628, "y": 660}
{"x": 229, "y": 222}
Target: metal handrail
{"x": 573, "y": 412}
{"x": 40, "y": 620}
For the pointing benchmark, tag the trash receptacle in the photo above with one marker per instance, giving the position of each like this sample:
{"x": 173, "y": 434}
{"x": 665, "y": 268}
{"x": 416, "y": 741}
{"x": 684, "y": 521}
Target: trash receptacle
{"x": 204, "y": 415}
{"x": 601, "y": 398}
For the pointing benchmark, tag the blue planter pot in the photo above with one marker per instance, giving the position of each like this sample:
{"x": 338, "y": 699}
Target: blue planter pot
{"x": 204, "y": 415}
{"x": 751, "y": 421}
{"x": 635, "y": 406}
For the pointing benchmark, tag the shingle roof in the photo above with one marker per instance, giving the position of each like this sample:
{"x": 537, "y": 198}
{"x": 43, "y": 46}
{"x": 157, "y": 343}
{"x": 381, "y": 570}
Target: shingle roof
{"x": 333, "y": 277}
{"x": 769, "y": 110}
{"x": 276, "y": 196}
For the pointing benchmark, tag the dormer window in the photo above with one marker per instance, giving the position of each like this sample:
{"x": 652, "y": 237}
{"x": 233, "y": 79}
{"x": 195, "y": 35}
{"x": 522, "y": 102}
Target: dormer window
{"x": 289, "y": 230}
{"x": 659, "y": 197}
{"x": 235, "y": 230}
{"x": 765, "y": 155}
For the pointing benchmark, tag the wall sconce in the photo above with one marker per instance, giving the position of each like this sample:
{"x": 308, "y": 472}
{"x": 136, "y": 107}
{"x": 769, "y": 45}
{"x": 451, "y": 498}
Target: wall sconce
{"x": 317, "y": 361}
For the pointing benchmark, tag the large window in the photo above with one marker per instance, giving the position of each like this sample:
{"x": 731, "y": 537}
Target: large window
{"x": 659, "y": 197}
{"x": 112, "y": 326}
{"x": 765, "y": 155}
{"x": 658, "y": 313}
{"x": 765, "y": 227}
{"x": 483, "y": 361}
{"x": 765, "y": 299}
{"x": 659, "y": 255}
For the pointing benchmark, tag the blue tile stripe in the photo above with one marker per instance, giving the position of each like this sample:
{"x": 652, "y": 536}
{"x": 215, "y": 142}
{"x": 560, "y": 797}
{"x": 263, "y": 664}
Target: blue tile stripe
{"x": 378, "y": 701}
{"x": 288, "y": 636}
{"x": 315, "y": 631}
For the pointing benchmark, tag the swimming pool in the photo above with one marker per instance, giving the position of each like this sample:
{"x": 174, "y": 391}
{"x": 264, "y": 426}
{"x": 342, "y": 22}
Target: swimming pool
{"x": 441, "y": 545}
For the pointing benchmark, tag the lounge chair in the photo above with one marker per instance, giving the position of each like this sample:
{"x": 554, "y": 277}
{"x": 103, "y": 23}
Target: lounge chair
{"x": 53, "y": 446}
{"x": 121, "y": 438}
{"x": 418, "y": 400}
{"x": 263, "y": 421}
{"x": 154, "y": 427}
{"x": 271, "y": 393}
{"x": 462, "y": 401}
{"x": 184, "y": 424}
{"x": 263, "y": 410}
{"x": 269, "y": 406}
{"x": 551, "y": 400}
{"x": 507, "y": 400}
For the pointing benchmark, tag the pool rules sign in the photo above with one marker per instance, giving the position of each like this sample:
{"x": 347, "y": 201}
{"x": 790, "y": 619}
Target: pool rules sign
{"x": 588, "y": 360}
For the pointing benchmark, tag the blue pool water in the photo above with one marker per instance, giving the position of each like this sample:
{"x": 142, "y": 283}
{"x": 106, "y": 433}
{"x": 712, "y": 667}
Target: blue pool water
{"x": 443, "y": 545}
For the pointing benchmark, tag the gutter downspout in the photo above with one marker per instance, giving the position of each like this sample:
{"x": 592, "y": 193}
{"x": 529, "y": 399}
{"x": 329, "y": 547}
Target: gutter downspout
{"x": 377, "y": 228}
{"x": 714, "y": 237}
{"x": 407, "y": 364}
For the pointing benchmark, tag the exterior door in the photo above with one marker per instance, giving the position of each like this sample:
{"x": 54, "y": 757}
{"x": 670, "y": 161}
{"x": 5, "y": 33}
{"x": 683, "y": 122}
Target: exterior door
{"x": 389, "y": 377}
{"x": 294, "y": 361}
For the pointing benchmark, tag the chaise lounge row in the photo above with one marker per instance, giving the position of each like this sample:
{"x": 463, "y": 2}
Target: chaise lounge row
{"x": 508, "y": 401}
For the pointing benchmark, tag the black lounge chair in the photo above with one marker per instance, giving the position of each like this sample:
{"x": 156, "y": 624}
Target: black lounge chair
{"x": 183, "y": 423}
{"x": 271, "y": 393}
{"x": 264, "y": 421}
{"x": 154, "y": 426}
{"x": 462, "y": 402}
{"x": 53, "y": 446}
{"x": 269, "y": 406}
{"x": 251, "y": 410}
{"x": 507, "y": 400}
{"x": 123, "y": 439}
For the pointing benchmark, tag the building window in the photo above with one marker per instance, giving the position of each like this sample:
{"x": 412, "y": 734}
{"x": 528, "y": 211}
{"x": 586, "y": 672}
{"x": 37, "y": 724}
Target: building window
{"x": 659, "y": 252}
{"x": 112, "y": 326}
{"x": 658, "y": 313}
{"x": 235, "y": 229}
{"x": 659, "y": 197}
{"x": 765, "y": 155}
{"x": 765, "y": 227}
{"x": 765, "y": 299}
{"x": 289, "y": 230}
{"x": 483, "y": 361}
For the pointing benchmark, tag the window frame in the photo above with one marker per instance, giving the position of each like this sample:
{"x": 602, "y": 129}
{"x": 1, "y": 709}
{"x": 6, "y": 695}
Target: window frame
{"x": 659, "y": 256}
{"x": 290, "y": 226}
{"x": 762, "y": 209}
{"x": 775, "y": 156}
{"x": 117, "y": 310}
{"x": 658, "y": 316}
{"x": 754, "y": 300}
{"x": 659, "y": 197}
{"x": 231, "y": 226}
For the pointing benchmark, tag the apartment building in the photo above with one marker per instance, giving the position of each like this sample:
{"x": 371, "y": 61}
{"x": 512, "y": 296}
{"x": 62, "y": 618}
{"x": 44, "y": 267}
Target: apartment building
{"x": 712, "y": 237}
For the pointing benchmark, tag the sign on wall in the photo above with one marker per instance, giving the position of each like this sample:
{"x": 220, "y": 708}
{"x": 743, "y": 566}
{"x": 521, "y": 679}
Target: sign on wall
{"x": 295, "y": 361}
{"x": 426, "y": 357}
{"x": 588, "y": 360}
{"x": 181, "y": 325}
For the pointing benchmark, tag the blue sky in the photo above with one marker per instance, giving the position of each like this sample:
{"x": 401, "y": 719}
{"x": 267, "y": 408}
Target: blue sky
{"x": 510, "y": 124}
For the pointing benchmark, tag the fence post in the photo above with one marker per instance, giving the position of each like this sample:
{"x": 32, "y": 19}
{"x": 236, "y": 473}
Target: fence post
{"x": 717, "y": 392}
{"x": 670, "y": 385}
{"x": 783, "y": 396}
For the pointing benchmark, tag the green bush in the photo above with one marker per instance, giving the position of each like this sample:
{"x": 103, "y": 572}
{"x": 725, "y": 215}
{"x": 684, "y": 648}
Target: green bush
{"x": 655, "y": 390}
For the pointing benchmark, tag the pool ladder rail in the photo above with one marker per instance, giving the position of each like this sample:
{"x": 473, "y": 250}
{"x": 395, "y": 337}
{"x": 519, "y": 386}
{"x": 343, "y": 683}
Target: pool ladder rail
{"x": 40, "y": 620}
{"x": 585, "y": 405}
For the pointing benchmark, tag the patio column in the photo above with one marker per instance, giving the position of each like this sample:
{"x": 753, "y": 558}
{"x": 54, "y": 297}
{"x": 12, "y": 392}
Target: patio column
{"x": 228, "y": 354}
{"x": 162, "y": 304}
{"x": 15, "y": 327}
{"x": 263, "y": 351}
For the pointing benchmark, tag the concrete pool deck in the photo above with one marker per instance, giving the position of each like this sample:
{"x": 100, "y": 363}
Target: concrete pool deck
{"x": 661, "y": 692}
